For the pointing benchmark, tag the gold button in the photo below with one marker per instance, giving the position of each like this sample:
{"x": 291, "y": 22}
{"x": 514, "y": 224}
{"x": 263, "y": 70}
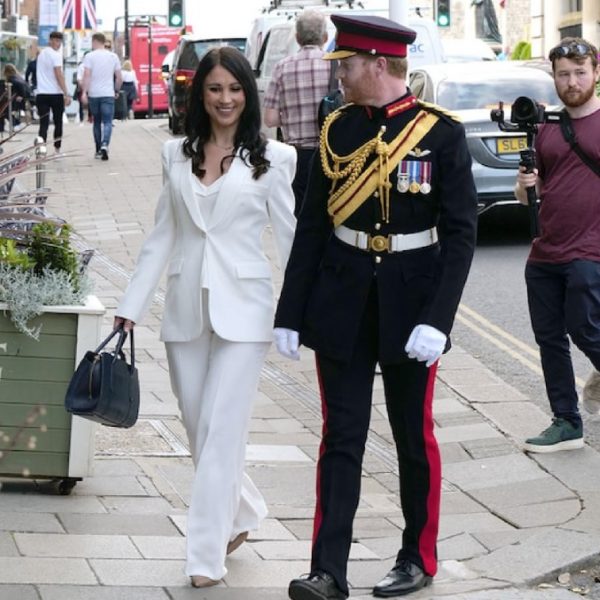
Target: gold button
{"x": 377, "y": 226}
{"x": 378, "y": 259}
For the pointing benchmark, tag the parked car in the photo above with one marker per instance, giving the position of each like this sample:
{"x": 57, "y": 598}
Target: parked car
{"x": 186, "y": 58}
{"x": 471, "y": 90}
{"x": 467, "y": 50}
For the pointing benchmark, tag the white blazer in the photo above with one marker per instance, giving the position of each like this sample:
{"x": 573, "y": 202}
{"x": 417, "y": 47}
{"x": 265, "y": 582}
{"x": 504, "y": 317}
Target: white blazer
{"x": 225, "y": 251}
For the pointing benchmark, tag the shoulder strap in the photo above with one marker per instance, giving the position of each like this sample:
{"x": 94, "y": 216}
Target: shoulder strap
{"x": 566, "y": 126}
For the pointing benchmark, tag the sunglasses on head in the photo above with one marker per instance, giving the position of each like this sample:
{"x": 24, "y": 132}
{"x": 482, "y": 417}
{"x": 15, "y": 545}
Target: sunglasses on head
{"x": 573, "y": 49}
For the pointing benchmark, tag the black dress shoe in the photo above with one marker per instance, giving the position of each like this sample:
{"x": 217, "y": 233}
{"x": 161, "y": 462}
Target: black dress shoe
{"x": 316, "y": 586}
{"x": 404, "y": 578}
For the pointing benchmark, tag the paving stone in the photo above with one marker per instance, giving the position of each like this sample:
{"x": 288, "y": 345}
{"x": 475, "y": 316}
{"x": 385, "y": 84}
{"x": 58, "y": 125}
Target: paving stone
{"x": 537, "y": 556}
{"x": 454, "y": 419}
{"x": 155, "y": 546}
{"x": 7, "y": 544}
{"x": 488, "y": 392}
{"x": 75, "y": 546}
{"x": 459, "y": 433}
{"x": 46, "y": 503}
{"x": 470, "y": 523}
{"x": 118, "y": 524}
{"x": 493, "y": 540}
{"x": 34, "y": 522}
{"x": 536, "y": 492}
{"x": 151, "y": 573}
{"x": 588, "y": 520}
{"x": 446, "y": 406}
{"x": 237, "y": 593}
{"x": 453, "y": 452}
{"x": 274, "y": 453}
{"x": 45, "y": 570}
{"x": 136, "y": 505}
{"x": 460, "y": 547}
{"x": 579, "y": 471}
{"x": 80, "y": 592}
{"x": 18, "y": 592}
{"x": 458, "y": 503}
{"x": 547, "y": 513}
{"x": 111, "y": 486}
{"x": 301, "y": 549}
{"x": 264, "y": 574}
{"x": 104, "y": 467}
{"x": 485, "y": 473}
{"x": 516, "y": 594}
{"x": 519, "y": 420}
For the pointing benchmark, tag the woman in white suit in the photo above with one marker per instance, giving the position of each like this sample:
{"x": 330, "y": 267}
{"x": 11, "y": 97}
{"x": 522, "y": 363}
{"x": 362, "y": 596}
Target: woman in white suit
{"x": 223, "y": 184}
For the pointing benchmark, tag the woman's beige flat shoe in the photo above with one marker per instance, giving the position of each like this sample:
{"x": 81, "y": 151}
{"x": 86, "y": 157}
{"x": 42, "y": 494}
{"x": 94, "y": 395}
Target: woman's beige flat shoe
{"x": 199, "y": 581}
{"x": 239, "y": 539}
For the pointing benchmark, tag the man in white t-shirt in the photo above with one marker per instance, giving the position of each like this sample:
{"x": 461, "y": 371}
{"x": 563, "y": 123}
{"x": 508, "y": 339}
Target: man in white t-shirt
{"x": 101, "y": 82}
{"x": 52, "y": 94}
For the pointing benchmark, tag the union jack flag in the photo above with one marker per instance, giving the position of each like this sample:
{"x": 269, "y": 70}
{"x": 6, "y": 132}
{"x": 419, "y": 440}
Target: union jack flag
{"x": 78, "y": 14}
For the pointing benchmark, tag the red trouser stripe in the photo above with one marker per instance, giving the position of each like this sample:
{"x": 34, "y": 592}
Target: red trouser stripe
{"x": 428, "y": 537}
{"x": 318, "y": 510}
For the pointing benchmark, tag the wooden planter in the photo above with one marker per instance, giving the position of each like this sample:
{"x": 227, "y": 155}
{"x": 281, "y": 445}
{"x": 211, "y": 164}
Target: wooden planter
{"x": 39, "y": 438}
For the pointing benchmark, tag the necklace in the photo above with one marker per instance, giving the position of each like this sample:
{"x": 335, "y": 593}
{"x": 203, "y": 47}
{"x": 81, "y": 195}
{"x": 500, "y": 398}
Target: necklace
{"x": 221, "y": 147}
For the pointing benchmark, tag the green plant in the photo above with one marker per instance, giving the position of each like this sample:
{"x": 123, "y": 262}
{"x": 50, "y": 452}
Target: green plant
{"x": 39, "y": 266}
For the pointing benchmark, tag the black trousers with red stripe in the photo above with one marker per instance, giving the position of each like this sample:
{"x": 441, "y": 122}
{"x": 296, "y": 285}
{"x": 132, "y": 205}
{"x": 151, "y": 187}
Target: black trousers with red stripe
{"x": 346, "y": 392}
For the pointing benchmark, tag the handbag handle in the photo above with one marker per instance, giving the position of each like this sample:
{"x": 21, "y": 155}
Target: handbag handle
{"x": 110, "y": 337}
{"x": 121, "y": 341}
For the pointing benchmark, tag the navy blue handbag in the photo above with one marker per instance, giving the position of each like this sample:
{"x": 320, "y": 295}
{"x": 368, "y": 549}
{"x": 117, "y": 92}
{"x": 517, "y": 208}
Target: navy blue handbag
{"x": 105, "y": 387}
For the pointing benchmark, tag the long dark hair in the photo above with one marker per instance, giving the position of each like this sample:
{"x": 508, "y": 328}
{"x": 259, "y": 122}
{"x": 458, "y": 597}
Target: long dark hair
{"x": 197, "y": 122}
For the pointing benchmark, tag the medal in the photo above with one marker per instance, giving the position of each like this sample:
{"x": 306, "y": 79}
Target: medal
{"x": 415, "y": 175}
{"x": 402, "y": 183}
{"x": 425, "y": 186}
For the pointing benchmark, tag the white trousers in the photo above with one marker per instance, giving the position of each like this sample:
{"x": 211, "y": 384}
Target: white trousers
{"x": 215, "y": 382}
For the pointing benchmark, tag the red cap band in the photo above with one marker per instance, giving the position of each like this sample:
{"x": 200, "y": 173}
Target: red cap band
{"x": 361, "y": 43}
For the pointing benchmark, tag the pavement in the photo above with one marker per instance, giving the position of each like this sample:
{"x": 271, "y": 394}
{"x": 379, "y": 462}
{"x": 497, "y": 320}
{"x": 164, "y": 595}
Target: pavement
{"x": 509, "y": 520}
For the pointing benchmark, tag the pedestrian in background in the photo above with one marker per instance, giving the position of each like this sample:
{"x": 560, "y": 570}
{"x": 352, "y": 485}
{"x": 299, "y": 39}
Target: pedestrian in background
{"x": 30, "y": 73}
{"x": 101, "y": 83}
{"x": 563, "y": 268}
{"x": 368, "y": 281}
{"x": 297, "y": 86}
{"x": 223, "y": 184}
{"x": 129, "y": 85}
{"x": 21, "y": 93}
{"x": 52, "y": 94}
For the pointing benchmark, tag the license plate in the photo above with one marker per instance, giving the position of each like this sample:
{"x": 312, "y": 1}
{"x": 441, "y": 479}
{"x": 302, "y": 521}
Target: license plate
{"x": 511, "y": 145}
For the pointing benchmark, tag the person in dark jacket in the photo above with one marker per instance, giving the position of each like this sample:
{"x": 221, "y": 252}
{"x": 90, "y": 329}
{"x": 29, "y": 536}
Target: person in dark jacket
{"x": 381, "y": 254}
{"x": 20, "y": 91}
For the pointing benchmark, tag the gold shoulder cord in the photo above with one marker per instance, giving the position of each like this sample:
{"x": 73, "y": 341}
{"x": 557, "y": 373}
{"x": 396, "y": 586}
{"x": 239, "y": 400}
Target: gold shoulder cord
{"x": 354, "y": 163}
{"x": 441, "y": 110}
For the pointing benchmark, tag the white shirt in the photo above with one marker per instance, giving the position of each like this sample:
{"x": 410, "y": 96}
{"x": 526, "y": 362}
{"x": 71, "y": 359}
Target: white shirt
{"x": 102, "y": 65}
{"x": 206, "y": 197}
{"x": 128, "y": 76}
{"x": 47, "y": 60}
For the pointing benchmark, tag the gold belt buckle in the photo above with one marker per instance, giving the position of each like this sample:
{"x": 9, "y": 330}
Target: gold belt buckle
{"x": 379, "y": 243}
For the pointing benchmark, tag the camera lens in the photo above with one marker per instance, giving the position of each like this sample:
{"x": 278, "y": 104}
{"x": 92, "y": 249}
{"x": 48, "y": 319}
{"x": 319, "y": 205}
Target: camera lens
{"x": 524, "y": 110}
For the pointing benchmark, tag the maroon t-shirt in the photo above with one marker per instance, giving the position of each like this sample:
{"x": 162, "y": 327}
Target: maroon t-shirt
{"x": 570, "y": 195}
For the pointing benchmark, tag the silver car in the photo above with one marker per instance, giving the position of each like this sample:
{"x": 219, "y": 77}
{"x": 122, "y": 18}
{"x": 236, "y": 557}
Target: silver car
{"x": 472, "y": 90}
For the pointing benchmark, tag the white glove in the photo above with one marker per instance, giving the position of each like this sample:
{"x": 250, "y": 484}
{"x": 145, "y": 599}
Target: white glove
{"x": 426, "y": 343}
{"x": 287, "y": 342}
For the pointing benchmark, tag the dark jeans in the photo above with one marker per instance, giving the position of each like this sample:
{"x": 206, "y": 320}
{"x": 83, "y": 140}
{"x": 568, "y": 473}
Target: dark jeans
{"x": 564, "y": 299}
{"x": 102, "y": 110}
{"x": 55, "y": 103}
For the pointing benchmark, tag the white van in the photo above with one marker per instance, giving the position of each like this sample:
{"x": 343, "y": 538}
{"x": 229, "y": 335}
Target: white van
{"x": 280, "y": 41}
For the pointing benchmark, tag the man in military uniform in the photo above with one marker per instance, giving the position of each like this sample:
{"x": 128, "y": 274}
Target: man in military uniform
{"x": 382, "y": 249}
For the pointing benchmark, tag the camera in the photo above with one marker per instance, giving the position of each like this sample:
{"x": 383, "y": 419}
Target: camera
{"x": 527, "y": 112}
{"x": 525, "y": 115}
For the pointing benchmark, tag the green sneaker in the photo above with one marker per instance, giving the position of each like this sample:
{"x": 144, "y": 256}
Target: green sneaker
{"x": 561, "y": 435}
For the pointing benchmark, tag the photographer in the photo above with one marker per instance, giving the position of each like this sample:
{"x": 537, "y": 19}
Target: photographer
{"x": 563, "y": 269}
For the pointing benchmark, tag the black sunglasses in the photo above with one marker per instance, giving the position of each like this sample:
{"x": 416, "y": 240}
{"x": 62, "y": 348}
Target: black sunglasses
{"x": 573, "y": 49}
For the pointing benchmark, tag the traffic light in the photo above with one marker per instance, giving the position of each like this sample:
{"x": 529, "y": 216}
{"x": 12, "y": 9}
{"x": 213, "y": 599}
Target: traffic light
{"x": 175, "y": 13}
{"x": 442, "y": 13}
